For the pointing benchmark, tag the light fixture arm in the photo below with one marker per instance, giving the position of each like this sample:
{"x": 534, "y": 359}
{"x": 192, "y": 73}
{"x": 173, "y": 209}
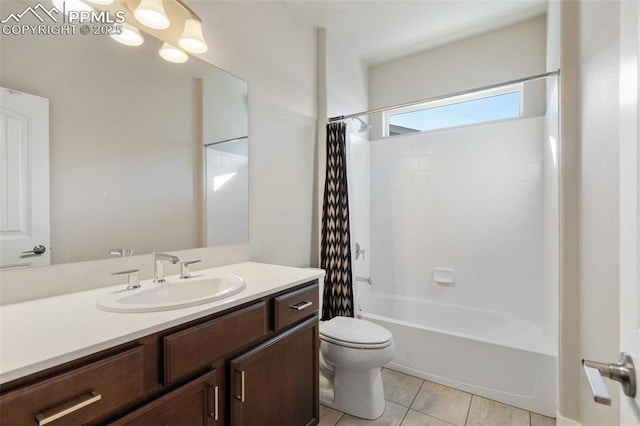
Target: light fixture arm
{"x": 188, "y": 10}
{"x": 127, "y": 7}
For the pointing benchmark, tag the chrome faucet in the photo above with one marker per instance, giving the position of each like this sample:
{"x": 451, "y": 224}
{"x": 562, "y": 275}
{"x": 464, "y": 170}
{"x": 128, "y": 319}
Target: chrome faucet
{"x": 158, "y": 265}
{"x": 133, "y": 280}
{"x": 121, "y": 252}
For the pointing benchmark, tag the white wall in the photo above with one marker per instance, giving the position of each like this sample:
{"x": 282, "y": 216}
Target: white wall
{"x": 347, "y": 79}
{"x": 469, "y": 199}
{"x": 551, "y": 160}
{"x": 551, "y": 155}
{"x": 505, "y": 54}
{"x": 569, "y": 368}
{"x": 359, "y": 202}
{"x": 273, "y": 48}
{"x": 346, "y": 91}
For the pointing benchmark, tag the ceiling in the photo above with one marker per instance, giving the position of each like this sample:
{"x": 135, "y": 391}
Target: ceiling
{"x": 381, "y": 30}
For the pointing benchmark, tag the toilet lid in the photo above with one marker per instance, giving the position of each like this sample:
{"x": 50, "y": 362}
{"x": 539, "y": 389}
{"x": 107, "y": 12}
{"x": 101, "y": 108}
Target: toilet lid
{"x": 355, "y": 332}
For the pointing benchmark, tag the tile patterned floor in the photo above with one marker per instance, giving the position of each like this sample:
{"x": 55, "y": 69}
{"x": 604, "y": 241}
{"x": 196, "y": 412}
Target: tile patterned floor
{"x": 415, "y": 402}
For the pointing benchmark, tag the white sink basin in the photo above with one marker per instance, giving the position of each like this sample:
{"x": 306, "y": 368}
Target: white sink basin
{"x": 174, "y": 294}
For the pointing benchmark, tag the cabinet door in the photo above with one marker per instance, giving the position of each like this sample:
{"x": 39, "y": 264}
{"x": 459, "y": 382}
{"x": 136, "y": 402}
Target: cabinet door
{"x": 277, "y": 382}
{"x": 196, "y": 403}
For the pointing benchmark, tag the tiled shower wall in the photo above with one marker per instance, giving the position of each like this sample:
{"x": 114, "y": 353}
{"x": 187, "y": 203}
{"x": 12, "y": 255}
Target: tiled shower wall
{"x": 468, "y": 199}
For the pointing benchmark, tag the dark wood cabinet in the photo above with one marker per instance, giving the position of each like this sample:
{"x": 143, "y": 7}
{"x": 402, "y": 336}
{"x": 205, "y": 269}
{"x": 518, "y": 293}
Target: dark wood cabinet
{"x": 194, "y": 404}
{"x": 78, "y": 396}
{"x": 277, "y": 382}
{"x": 190, "y": 349}
{"x": 254, "y": 364}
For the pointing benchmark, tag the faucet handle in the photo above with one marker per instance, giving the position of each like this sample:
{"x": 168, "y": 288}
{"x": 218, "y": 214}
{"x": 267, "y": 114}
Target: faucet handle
{"x": 184, "y": 268}
{"x": 121, "y": 252}
{"x": 133, "y": 278}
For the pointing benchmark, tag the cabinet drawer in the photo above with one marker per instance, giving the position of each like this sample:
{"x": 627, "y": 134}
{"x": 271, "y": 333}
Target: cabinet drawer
{"x": 294, "y": 306}
{"x": 78, "y": 396}
{"x": 191, "y": 349}
{"x": 196, "y": 403}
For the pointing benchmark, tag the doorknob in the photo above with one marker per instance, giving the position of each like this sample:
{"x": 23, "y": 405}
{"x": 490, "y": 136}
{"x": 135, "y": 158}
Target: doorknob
{"x": 39, "y": 249}
{"x": 622, "y": 371}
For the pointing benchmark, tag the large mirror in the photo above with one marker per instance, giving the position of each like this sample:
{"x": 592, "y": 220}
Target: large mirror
{"x": 128, "y": 137}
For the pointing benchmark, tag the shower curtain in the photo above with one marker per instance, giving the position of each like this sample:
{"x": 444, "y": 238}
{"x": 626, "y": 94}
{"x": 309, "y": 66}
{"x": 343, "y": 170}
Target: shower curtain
{"x": 335, "y": 256}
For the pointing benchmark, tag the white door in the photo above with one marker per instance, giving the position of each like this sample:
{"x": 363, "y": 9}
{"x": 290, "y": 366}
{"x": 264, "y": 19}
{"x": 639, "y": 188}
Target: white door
{"x": 629, "y": 199}
{"x": 24, "y": 179}
{"x": 620, "y": 332}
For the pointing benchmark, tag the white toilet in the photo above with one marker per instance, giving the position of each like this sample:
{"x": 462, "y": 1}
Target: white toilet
{"x": 351, "y": 354}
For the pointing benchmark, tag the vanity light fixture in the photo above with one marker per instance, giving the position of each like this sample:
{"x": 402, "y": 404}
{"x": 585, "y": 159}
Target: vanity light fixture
{"x": 129, "y": 36}
{"x": 191, "y": 39}
{"x": 171, "y": 53}
{"x": 151, "y": 13}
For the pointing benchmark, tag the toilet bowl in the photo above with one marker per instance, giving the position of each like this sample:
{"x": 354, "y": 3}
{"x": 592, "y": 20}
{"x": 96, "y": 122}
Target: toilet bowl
{"x": 351, "y": 354}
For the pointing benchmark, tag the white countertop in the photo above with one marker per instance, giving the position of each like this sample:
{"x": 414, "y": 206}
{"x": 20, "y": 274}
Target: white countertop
{"x": 42, "y": 333}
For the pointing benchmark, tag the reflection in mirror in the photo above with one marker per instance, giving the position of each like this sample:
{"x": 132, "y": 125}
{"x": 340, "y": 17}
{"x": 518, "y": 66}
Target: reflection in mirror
{"x": 227, "y": 192}
{"x": 126, "y": 140}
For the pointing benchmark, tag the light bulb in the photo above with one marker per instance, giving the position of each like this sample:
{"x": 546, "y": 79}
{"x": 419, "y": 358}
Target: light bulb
{"x": 151, "y": 13}
{"x": 192, "y": 39}
{"x": 173, "y": 54}
{"x": 130, "y": 36}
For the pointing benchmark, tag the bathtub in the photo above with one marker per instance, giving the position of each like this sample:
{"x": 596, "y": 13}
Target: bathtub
{"x": 487, "y": 353}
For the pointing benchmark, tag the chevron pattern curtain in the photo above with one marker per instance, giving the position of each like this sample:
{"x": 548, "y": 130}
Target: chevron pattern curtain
{"x": 335, "y": 257}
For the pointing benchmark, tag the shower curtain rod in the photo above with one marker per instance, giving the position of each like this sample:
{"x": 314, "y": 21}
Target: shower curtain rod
{"x": 225, "y": 141}
{"x": 449, "y": 95}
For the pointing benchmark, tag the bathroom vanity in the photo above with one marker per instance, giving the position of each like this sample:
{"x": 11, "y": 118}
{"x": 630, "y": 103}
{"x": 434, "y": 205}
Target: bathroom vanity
{"x": 251, "y": 359}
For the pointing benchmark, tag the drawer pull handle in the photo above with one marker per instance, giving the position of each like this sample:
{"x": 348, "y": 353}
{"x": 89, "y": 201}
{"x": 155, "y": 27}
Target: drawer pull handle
{"x": 215, "y": 412}
{"x": 301, "y": 305}
{"x": 241, "y": 396}
{"x": 48, "y": 417}
{"x": 215, "y": 409}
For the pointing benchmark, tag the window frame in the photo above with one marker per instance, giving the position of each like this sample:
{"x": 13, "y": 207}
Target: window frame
{"x": 512, "y": 88}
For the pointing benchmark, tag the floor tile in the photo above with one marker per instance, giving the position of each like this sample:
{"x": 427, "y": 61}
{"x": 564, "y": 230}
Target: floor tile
{"x": 329, "y": 416}
{"x": 400, "y": 388}
{"x": 540, "y": 420}
{"x": 416, "y": 418}
{"x": 485, "y": 412}
{"x": 442, "y": 402}
{"x": 392, "y": 416}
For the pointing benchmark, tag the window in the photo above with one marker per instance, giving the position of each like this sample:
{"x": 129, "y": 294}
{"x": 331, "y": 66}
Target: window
{"x": 480, "y": 107}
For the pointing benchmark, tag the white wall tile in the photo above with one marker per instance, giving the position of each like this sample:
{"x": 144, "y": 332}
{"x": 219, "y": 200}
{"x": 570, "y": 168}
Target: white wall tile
{"x": 471, "y": 199}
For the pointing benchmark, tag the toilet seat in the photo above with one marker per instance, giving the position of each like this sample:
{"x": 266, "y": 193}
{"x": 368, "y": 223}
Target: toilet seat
{"x": 355, "y": 333}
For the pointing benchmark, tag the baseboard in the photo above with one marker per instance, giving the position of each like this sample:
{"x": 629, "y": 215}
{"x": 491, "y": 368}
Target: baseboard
{"x": 563, "y": 421}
